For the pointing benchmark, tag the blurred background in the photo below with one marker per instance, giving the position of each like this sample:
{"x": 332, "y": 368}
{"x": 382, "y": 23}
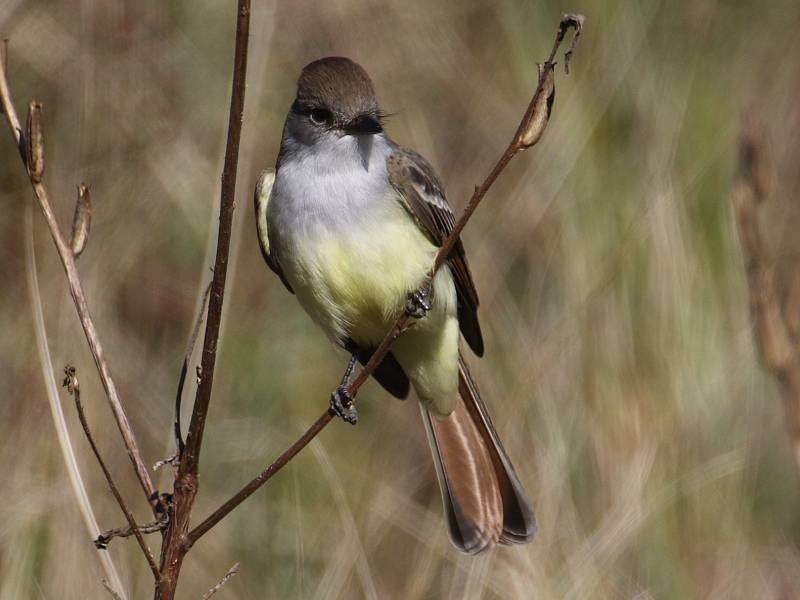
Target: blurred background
{"x": 620, "y": 365}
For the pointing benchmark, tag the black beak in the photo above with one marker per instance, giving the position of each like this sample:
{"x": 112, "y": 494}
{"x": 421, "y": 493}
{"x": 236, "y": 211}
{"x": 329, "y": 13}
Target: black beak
{"x": 363, "y": 124}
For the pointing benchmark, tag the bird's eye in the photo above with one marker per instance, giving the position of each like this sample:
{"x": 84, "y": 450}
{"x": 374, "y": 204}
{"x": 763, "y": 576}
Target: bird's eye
{"x": 319, "y": 116}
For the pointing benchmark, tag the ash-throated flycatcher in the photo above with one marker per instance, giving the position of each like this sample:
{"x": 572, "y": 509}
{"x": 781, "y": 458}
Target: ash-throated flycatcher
{"x": 351, "y": 223}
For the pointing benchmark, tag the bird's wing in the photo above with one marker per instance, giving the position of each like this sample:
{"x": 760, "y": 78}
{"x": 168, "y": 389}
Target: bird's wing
{"x": 422, "y": 195}
{"x": 261, "y": 201}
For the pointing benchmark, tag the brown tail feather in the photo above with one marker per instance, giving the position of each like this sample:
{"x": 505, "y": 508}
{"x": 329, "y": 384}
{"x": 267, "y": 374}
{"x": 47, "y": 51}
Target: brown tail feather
{"x": 483, "y": 497}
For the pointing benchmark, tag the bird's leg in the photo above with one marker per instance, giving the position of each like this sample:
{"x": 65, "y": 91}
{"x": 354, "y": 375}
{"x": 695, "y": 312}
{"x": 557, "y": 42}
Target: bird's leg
{"x": 341, "y": 400}
{"x": 418, "y": 303}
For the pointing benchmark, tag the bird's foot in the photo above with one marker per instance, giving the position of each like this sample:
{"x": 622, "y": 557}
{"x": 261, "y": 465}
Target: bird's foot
{"x": 342, "y": 405}
{"x": 417, "y": 304}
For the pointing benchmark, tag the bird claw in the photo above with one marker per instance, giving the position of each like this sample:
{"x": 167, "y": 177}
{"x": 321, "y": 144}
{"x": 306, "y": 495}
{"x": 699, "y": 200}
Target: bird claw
{"x": 342, "y": 405}
{"x": 417, "y": 305}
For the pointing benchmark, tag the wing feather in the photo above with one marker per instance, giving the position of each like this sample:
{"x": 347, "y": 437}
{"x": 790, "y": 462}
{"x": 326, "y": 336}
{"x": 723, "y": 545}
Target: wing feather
{"x": 261, "y": 200}
{"x": 423, "y": 196}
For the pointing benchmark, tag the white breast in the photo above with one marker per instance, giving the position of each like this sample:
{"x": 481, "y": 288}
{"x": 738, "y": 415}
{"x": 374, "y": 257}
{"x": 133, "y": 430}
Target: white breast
{"x": 345, "y": 243}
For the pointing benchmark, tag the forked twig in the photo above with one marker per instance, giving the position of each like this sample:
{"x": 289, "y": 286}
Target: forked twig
{"x": 528, "y": 133}
{"x": 73, "y": 387}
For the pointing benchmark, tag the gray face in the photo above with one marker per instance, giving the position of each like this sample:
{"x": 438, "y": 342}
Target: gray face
{"x": 308, "y": 123}
{"x": 335, "y": 98}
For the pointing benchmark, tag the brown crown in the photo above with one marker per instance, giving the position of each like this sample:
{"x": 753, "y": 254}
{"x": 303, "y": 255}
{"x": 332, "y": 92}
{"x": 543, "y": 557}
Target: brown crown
{"x": 338, "y": 84}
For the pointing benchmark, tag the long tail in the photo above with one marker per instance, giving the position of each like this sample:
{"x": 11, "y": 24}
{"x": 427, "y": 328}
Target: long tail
{"x": 483, "y": 498}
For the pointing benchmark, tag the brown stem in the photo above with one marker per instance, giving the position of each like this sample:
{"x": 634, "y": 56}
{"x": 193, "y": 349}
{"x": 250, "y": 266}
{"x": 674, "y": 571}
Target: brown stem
{"x": 76, "y": 291}
{"x": 532, "y": 114}
{"x": 259, "y": 480}
{"x": 194, "y": 436}
{"x": 71, "y": 383}
{"x": 179, "y": 444}
{"x": 174, "y": 549}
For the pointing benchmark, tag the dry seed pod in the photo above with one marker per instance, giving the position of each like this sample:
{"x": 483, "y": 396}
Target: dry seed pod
{"x": 35, "y": 149}
{"x": 571, "y": 20}
{"x": 82, "y": 220}
{"x": 542, "y": 105}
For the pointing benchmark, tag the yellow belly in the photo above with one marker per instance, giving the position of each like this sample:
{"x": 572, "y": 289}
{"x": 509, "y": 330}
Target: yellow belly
{"x": 356, "y": 286}
{"x": 369, "y": 276}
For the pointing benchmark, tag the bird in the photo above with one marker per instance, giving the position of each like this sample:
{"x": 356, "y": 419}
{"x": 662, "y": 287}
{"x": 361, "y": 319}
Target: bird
{"x": 351, "y": 222}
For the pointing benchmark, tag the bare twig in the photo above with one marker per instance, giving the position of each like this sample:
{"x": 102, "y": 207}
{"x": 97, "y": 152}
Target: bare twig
{"x": 185, "y": 489}
{"x": 179, "y": 445}
{"x": 171, "y": 460}
{"x": 62, "y": 433}
{"x": 174, "y": 459}
{"x": 76, "y": 290}
{"x": 8, "y": 105}
{"x": 773, "y": 328}
{"x": 73, "y": 387}
{"x": 259, "y": 480}
{"x": 194, "y": 436}
{"x": 527, "y": 134}
{"x": 102, "y": 540}
{"x": 576, "y": 21}
{"x": 231, "y": 572}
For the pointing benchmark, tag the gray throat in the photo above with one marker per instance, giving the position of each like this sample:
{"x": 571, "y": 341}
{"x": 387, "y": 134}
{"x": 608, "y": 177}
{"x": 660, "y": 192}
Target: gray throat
{"x": 338, "y": 182}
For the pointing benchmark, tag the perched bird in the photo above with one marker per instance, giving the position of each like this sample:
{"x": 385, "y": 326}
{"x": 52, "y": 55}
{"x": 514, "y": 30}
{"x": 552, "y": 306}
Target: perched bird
{"x": 351, "y": 222}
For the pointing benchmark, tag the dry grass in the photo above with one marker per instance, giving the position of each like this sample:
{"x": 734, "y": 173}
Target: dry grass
{"x": 620, "y": 364}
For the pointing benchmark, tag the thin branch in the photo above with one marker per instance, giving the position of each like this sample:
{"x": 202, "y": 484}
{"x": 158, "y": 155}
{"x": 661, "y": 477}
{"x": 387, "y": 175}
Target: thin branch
{"x": 259, "y": 480}
{"x": 231, "y": 572}
{"x": 194, "y": 437}
{"x": 102, "y": 540}
{"x": 544, "y": 90}
{"x": 76, "y": 291}
{"x": 528, "y": 133}
{"x": 73, "y": 387}
{"x": 185, "y": 489}
{"x": 7, "y": 105}
{"x": 179, "y": 445}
